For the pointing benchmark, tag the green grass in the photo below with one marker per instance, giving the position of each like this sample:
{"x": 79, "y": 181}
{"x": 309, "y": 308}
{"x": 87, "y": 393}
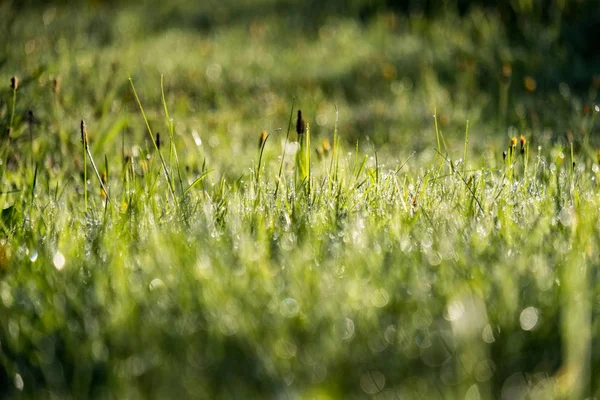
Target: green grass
{"x": 407, "y": 259}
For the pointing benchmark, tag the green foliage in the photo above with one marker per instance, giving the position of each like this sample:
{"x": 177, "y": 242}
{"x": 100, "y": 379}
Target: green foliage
{"x": 406, "y": 259}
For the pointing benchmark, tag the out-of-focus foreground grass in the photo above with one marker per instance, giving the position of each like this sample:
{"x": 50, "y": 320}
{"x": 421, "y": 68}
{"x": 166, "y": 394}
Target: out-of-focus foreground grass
{"x": 396, "y": 253}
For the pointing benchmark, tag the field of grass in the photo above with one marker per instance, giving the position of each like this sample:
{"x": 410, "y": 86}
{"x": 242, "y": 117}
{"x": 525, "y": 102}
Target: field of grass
{"x": 430, "y": 231}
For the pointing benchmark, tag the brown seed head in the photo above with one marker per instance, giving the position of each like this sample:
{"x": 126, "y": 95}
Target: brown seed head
{"x": 523, "y": 142}
{"x": 84, "y": 137}
{"x": 102, "y": 192}
{"x": 530, "y": 84}
{"x": 262, "y": 139}
{"x": 14, "y": 82}
{"x": 56, "y": 85}
{"x": 158, "y": 143}
{"x": 300, "y": 124}
{"x": 512, "y": 146}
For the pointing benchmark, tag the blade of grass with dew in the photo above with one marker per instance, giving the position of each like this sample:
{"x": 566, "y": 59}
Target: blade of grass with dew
{"x": 171, "y": 128}
{"x": 287, "y": 138}
{"x": 262, "y": 149}
{"x": 197, "y": 181}
{"x": 162, "y": 160}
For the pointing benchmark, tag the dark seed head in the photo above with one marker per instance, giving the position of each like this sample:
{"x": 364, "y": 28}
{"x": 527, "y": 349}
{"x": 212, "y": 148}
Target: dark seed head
{"x": 56, "y": 85}
{"x": 262, "y": 139}
{"x": 158, "y": 143}
{"x": 504, "y": 154}
{"x": 84, "y": 137}
{"x": 14, "y": 82}
{"x": 300, "y": 124}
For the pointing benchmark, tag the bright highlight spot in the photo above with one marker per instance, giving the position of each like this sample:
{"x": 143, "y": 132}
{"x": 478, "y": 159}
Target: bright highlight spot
{"x": 529, "y": 318}
{"x": 59, "y": 261}
{"x": 454, "y": 310}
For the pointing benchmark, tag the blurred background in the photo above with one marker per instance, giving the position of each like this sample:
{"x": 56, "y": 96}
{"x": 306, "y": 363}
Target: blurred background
{"x": 232, "y": 68}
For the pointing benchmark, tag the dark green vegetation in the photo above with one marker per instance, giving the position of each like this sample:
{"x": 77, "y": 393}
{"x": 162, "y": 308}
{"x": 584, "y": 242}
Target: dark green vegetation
{"x": 402, "y": 258}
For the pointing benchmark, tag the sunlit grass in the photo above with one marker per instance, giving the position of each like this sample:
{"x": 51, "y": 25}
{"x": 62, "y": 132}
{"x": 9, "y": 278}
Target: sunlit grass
{"x": 407, "y": 258}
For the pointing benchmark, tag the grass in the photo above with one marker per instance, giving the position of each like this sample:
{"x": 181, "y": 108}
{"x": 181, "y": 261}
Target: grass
{"x": 408, "y": 259}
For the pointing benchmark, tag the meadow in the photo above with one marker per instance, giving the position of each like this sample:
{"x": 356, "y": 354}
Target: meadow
{"x": 173, "y": 227}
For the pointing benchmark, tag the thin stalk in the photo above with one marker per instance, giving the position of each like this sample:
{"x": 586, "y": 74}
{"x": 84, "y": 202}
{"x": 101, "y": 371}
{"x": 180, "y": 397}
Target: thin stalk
{"x": 84, "y": 145}
{"x": 162, "y": 160}
{"x": 334, "y": 154}
{"x": 89, "y": 153}
{"x": 106, "y": 172}
{"x": 33, "y": 191}
{"x": 30, "y": 129}
{"x": 172, "y": 146}
{"x": 14, "y": 102}
{"x": 572, "y": 160}
{"x": 307, "y": 156}
{"x": 437, "y": 136}
{"x": 262, "y": 149}
{"x": 466, "y": 145}
{"x": 287, "y": 137}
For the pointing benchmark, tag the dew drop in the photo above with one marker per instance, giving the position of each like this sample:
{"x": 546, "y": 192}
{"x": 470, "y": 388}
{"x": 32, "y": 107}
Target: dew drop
{"x": 529, "y": 318}
{"x": 59, "y": 261}
{"x": 289, "y": 308}
{"x": 19, "y": 382}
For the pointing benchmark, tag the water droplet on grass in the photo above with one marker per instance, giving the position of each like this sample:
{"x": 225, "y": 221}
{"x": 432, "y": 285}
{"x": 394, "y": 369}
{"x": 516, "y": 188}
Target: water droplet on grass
{"x": 33, "y": 255}
{"x": 19, "y": 384}
{"x": 454, "y": 311}
{"x": 156, "y": 284}
{"x": 345, "y": 329}
{"x": 529, "y": 318}
{"x": 289, "y": 308}
{"x": 488, "y": 334}
{"x": 372, "y": 382}
{"x": 59, "y": 261}
{"x": 197, "y": 139}
{"x": 380, "y": 298}
{"x": 566, "y": 216}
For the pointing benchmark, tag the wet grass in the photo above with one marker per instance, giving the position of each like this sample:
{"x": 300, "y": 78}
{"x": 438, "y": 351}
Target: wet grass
{"x": 385, "y": 247}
